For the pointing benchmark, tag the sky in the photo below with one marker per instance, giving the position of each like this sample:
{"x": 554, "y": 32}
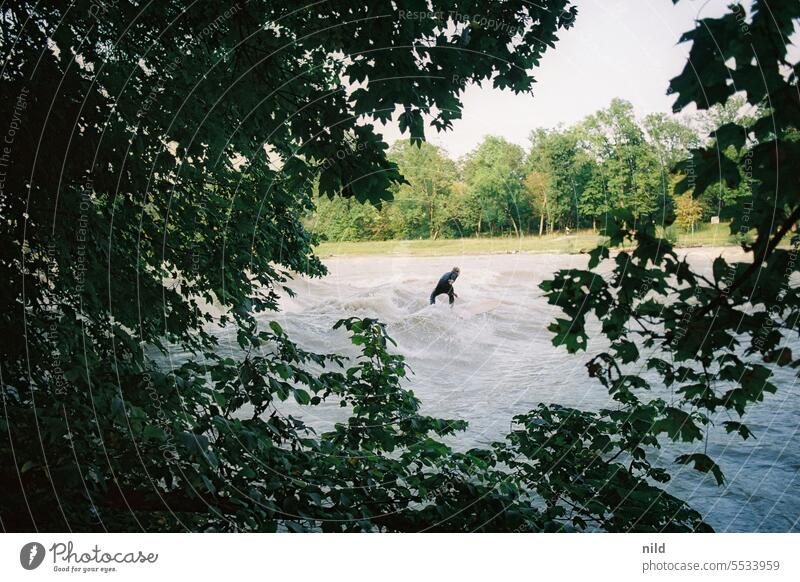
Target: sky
{"x": 617, "y": 48}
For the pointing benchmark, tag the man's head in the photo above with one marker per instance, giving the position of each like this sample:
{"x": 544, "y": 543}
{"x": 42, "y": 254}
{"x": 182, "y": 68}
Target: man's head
{"x": 456, "y": 270}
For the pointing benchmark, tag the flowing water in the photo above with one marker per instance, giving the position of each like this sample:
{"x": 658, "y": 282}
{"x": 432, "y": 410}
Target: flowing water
{"x": 491, "y": 357}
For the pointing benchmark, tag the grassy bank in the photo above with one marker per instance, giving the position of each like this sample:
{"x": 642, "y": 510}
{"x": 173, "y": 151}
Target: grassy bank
{"x": 706, "y": 235}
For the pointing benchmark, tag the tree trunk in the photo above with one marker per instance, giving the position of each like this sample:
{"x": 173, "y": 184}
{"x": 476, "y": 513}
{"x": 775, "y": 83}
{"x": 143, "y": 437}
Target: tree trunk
{"x": 431, "y": 211}
{"x": 545, "y": 208}
{"x": 514, "y": 224}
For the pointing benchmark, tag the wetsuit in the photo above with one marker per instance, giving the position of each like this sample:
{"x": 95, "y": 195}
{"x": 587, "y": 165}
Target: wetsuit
{"x": 445, "y": 286}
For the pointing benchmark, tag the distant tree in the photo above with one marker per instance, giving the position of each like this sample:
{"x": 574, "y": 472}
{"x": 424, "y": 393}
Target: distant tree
{"x": 463, "y": 210}
{"x": 420, "y": 202}
{"x": 344, "y": 219}
{"x": 688, "y": 211}
{"x": 407, "y": 218}
{"x": 631, "y": 168}
{"x": 560, "y": 155}
{"x": 537, "y": 185}
{"x": 493, "y": 173}
{"x": 594, "y": 200}
{"x": 610, "y": 160}
{"x": 671, "y": 138}
{"x": 735, "y": 109}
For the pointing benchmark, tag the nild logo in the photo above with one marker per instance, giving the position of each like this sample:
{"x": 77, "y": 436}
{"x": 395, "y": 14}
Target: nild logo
{"x": 31, "y": 555}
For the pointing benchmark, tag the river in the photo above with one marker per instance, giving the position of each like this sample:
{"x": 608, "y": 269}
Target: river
{"x": 491, "y": 357}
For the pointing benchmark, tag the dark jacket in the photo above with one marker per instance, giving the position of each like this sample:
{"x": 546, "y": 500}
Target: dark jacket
{"x": 445, "y": 286}
{"x": 444, "y": 280}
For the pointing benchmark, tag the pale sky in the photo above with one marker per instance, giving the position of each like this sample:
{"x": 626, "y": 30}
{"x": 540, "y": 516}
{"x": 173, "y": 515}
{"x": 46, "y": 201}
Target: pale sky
{"x": 617, "y": 48}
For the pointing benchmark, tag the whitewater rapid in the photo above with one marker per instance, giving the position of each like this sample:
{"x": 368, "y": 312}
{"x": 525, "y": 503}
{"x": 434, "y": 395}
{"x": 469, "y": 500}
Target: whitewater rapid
{"x": 491, "y": 357}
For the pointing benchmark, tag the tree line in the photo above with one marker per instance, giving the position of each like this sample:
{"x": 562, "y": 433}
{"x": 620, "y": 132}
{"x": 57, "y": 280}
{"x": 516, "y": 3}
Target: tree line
{"x": 569, "y": 178}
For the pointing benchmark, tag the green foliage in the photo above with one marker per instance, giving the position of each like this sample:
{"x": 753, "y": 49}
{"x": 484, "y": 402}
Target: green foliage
{"x": 569, "y": 168}
{"x": 162, "y": 197}
{"x": 726, "y": 125}
{"x": 717, "y": 339}
{"x": 340, "y": 218}
{"x": 493, "y": 175}
{"x": 423, "y": 206}
{"x": 161, "y": 165}
{"x": 688, "y": 211}
{"x": 610, "y": 160}
{"x": 585, "y": 484}
{"x": 631, "y": 174}
{"x": 420, "y": 207}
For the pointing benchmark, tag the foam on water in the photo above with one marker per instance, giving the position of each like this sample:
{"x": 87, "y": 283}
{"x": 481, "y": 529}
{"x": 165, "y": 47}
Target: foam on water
{"x": 491, "y": 357}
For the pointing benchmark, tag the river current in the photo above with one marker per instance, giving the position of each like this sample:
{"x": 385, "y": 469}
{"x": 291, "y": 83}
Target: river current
{"x": 491, "y": 357}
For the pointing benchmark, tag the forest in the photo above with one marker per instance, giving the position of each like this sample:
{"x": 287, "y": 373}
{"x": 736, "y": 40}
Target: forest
{"x": 568, "y": 178}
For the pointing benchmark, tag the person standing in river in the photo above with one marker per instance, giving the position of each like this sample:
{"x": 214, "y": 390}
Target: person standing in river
{"x": 445, "y": 285}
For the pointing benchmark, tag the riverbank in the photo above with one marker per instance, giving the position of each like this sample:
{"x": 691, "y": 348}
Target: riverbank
{"x": 708, "y": 235}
